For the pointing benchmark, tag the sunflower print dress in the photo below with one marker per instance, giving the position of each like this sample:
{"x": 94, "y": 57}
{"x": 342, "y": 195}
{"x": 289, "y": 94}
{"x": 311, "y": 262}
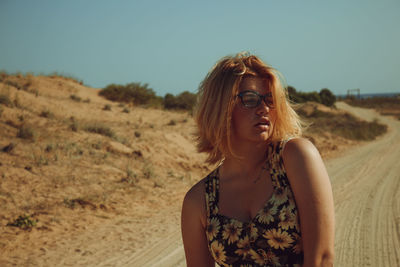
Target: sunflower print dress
{"x": 271, "y": 238}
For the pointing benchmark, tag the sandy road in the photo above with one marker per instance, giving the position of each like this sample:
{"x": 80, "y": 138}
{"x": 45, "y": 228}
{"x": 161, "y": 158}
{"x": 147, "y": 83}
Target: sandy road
{"x": 366, "y": 187}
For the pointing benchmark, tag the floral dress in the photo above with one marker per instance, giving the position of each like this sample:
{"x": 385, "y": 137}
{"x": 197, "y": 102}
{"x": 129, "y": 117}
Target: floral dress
{"x": 271, "y": 238}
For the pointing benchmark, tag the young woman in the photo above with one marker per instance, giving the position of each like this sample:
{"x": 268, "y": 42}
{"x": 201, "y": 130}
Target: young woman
{"x": 269, "y": 202}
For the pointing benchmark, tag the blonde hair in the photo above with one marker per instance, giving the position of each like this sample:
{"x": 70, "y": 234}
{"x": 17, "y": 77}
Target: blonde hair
{"x": 217, "y": 95}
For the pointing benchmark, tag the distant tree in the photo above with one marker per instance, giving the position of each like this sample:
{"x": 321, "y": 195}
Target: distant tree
{"x": 293, "y": 95}
{"x": 312, "y": 96}
{"x": 327, "y": 97}
{"x": 185, "y": 100}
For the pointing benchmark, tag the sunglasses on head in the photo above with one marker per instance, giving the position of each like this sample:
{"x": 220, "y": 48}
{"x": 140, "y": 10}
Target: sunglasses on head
{"x": 252, "y": 99}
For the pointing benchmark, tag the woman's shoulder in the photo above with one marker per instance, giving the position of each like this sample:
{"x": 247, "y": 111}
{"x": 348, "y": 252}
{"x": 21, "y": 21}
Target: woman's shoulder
{"x": 196, "y": 194}
{"x": 298, "y": 147}
{"x": 195, "y": 199}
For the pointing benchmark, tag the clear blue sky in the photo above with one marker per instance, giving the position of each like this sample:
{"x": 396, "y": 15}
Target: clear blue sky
{"x": 171, "y": 45}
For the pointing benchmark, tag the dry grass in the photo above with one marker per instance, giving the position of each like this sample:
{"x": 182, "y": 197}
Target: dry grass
{"x": 389, "y": 106}
{"x": 344, "y": 125}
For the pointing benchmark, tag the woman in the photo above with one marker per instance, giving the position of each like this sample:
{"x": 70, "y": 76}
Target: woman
{"x": 269, "y": 202}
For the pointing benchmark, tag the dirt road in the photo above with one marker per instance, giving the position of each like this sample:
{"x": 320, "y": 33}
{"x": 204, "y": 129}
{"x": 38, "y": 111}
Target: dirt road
{"x": 366, "y": 187}
{"x": 366, "y": 184}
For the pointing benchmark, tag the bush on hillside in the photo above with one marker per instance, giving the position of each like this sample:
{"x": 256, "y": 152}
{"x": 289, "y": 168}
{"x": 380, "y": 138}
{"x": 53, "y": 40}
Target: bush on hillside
{"x": 5, "y": 100}
{"x": 325, "y": 96}
{"x": 344, "y": 125}
{"x": 132, "y": 93}
{"x": 183, "y": 101}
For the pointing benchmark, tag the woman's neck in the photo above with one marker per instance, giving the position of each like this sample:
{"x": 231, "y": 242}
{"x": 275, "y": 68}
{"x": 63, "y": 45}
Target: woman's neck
{"x": 249, "y": 159}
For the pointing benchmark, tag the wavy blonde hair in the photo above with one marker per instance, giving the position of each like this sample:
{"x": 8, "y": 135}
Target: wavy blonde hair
{"x": 217, "y": 96}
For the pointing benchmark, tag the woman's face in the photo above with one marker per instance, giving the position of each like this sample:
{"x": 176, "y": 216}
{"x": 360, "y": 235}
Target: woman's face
{"x": 252, "y": 124}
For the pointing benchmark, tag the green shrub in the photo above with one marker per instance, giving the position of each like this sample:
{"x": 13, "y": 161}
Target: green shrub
{"x": 327, "y": 97}
{"x": 132, "y": 93}
{"x": 23, "y": 222}
{"x": 126, "y": 110}
{"x": 184, "y": 101}
{"x": 75, "y": 98}
{"x": 100, "y": 129}
{"x": 46, "y": 114}
{"x": 107, "y": 107}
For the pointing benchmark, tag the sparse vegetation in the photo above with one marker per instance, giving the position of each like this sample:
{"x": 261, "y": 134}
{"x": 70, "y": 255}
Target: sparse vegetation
{"x": 172, "y": 123}
{"x": 126, "y": 110}
{"x": 25, "y": 132}
{"x": 71, "y": 203}
{"x": 130, "y": 178}
{"x": 135, "y": 93}
{"x": 75, "y": 98}
{"x": 107, "y": 107}
{"x": 8, "y": 148}
{"x": 148, "y": 170}
{"x": 5, "y": 100}
{"x": 65, "y": 76}
{"x": 14, "y": 84}
{"x": 24, "y": 222}
{"x": 49, "y": 148}
{"x": 345, "y": 125}
{"x": 74, "y": 125}
{"x": 137, "y": 134}
{"x": 46, "y": 114}
{"x": 100, "y": 129}
{"x": 385, "y": 105}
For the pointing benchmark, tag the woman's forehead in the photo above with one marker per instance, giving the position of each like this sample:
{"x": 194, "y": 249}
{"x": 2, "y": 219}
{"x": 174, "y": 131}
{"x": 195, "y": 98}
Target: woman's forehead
{"x": 254, "y": 83}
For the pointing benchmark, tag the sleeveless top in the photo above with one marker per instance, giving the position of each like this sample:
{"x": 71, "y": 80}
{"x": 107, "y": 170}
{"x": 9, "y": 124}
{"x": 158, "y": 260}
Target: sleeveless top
{"x": 271, "y": 238}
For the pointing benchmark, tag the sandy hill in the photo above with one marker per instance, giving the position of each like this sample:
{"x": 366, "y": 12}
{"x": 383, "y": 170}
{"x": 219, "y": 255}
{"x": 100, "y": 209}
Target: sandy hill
{"x": 91, "y": 173}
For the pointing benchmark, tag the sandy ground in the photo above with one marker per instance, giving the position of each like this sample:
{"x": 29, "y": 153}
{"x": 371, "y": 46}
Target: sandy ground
{"x": 366, "y": 186}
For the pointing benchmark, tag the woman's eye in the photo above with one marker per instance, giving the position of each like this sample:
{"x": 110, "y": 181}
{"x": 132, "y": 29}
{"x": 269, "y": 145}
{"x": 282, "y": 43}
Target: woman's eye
{"x": 250, "y": 98}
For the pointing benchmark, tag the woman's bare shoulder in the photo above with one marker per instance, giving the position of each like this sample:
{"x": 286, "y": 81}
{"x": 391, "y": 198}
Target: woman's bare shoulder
{"x": 299, "y": 147}
{"x": 196, "y": 194}
{"x": 194, "y": 203}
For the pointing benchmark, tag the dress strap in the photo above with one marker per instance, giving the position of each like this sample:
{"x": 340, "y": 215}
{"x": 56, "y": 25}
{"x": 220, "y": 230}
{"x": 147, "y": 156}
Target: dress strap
{"x": 212, "y": 190}
{"x": 278, "y": 172}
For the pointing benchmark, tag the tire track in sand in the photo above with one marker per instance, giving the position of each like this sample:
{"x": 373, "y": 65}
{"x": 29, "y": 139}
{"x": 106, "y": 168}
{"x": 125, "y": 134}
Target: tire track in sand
{"x": 366, "y": 185}
{"x": 366, "y": 188}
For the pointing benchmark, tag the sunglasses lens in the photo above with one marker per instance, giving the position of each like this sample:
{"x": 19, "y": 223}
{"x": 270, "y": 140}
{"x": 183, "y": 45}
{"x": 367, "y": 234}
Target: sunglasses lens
{"x": 250, "y": 100}
{"x": 269, "y": 101}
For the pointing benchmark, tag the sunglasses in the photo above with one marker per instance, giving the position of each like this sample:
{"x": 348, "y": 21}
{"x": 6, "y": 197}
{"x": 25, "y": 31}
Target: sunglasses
{"x": 252, "y": 99}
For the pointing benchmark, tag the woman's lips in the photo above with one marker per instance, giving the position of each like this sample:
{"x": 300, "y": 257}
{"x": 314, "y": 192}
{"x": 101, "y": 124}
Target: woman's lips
{"x": 263, "y": 125}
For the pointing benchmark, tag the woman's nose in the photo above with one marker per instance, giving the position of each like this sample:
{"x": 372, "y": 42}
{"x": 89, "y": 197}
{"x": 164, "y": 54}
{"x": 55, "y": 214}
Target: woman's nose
{"x": 262, "y": 108}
